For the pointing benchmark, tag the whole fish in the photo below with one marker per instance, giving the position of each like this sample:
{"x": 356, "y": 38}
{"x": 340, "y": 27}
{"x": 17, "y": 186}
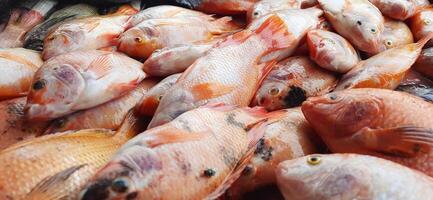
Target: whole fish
{"x": 400, "y": 9}
{"x": 150, "y": 35}
{"x": 421, "y": 24}
{"x": 229, "y": 73}
{"x": 265, "y": 7}
{"x": 226, "y": 7}
{"x": 84, "y": 34}
{"x": 384, "y": 70}
{"x": 80, "y": 80}
{"x": 108, "y": 115}
{"x": 424, "y": 64}
{"x": 176, "y": 155}
{"x": 57, "y": 166}
{"x": 16, "y": 72}
{"x": 165, "y": 11}
{"x": 396, "y": 33}
{"x": 172, "y": 60}
{"x": 150, "y": 101}
{"x": 358, "y": 21}
{"x": 385, "y": 123}
{"x": 23, "y": 20}
{"x": 331, "y": 51}
{"x": 350, "y": 176}
{"x": 13, "y": 125}
{"x": 34, "y": 39}
{"x": 288, "y": 138}
{"x": 291, "y": 82}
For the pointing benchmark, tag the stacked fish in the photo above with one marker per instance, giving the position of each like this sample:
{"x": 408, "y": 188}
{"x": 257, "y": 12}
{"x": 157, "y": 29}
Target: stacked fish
{"x": 325, "y": 99}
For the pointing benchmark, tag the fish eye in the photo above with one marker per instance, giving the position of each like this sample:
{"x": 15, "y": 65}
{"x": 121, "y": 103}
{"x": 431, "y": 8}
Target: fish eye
{"x": 274, "y": 91}
{"x": 60, "y": 123}
{"x": 426, "y": 21}
{"x": 388, "y": 43}
{"x": 373, "y": 30}
{"x": 333, "y": 97}
{"x": 314, "y": 160}
{"x": 160, "y": 97}
{"x": 256, "y": 13}
{"x": 51, "y": 38}
{"x": 138, "y": 40}
{"x": 359, "y": 23}
{"x": 120, "y": 185}
{"x": 38, "y": 85}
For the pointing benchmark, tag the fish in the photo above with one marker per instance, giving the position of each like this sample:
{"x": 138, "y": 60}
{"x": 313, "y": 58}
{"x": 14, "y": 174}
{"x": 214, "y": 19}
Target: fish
{"x": 424, "y": 64}
{"x": 90, "y": 33}
{"x": 385, "y": 70}
{"x": 400, "y": 9}
{"x": 230, "y": 72}
{"x": 384, "y": 123}
{"x": 23, "y": 20}
{"x": 191, "y": 4}
{"x": 421, "y": 24}
{"x": 34, "y": 39}
{"x": 358, "y": 21}
{"x": 396, "y": 33}
{"x": 171, "y": 60}
{"x": 150, "y": 100}
{"x": 416, "y": 84}
{"x": 331, "y": 51}
{"x": 265, "y": 7}
{"x": 291, "y": 82}
{"x": 150, "y": 165}
{"x": 226, "y": 7}
{"x": 350, "y": 176}
{"x": 13, "y": 125}
{"x": 150, "y": 35}
{"x": 288, "y": 138}
{"x": 18, "y": 66}
{"x": 57, "y": 166}
{"x": 109, "y": 115}
{"x": 80, "y": 80}
{"x": 298, "y": 22}
{"x": 165, "y": 11}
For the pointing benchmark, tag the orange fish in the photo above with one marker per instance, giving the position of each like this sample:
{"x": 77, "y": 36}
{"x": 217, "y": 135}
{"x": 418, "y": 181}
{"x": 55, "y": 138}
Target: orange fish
{"x": 350, "y": 176}
{"x": 291, "y": 82}
{"x": 400, "y": 9}
{"x": 150, "y": 101}
{"x": 226, "y": 7}
{"x": 331, "y": 51}
{"x": 108, "y": 115}
{"x": 421, "y": 24}
{"x": 385, "y": 123}
{"x": 16, "y": 73}
{"x": 57, "y": 166}
{"x": 358, "y": 21}
{"x": 153, "y": 34}
{"x": 80, "y": 80}
{"x": 230, "y": 72}
{"x": 396, "y": 33}
{"x": 288, "y": 138}
{"x": 265, "y": 7}
{"x": 13, "y": 125}
{"x": 204, "y": 150}
{"x": 424, "y": 64}
{"x": 384, "y": 70}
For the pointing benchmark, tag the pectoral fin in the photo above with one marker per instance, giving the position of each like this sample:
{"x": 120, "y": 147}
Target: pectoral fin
{"x": 173, "y": 135}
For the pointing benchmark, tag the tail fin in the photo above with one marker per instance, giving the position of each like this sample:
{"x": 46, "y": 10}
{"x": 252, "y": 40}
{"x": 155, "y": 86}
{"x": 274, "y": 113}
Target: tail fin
{"x": 274, "y": 33}
{"x": 131, "y": 126}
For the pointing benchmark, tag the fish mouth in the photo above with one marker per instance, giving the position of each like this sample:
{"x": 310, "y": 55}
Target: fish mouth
{"x": 36, "y": 112}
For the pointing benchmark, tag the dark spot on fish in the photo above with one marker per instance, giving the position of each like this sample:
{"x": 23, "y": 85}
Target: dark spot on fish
{"x": 98, "y": 191}
{"x": 120, "y": 185}
{"x": 185, "y": 125}
{"x": 256, "y": 13}
{"x": 264, "y": 150}
{"x": 209, "y": 172}
{"x": 16, "y": 109}
{"x": 359, "y": 23}
{"x": 231, "y": 120}
{"x": 39, "y": 84}
{"x": 131, "y": 196}
{"x": 228, "y": 157}
{"x": 60, "y": 123}
{"x": 20, "y": 138}
{"x": 183, "y": 163}
{"x": 416, "y": 148}
{"x": 248, "y": 170}
{"x": 295, "y": 97}
{"x": 332, "y": 96}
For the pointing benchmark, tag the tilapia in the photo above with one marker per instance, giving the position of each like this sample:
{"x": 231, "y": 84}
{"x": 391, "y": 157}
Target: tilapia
{"x": 424, "y": 64}
{"x": 400, "y": 9}
{"x": 396, "y": 33}
{"x": 421, "y": 24}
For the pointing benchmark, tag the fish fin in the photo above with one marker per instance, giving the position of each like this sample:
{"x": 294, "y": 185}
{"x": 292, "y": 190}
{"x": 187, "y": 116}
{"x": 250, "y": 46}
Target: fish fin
{"x": 266, "y": 69}
{"x": 30, "y": 19}
{"x": 113, "y": 39}
{"x": 130, "y": 127}
{"x": 274, "y": 33}
{"x": 121, "y": 88}
{"x": 148, "y": 106}
{"x": 51, "y": 187}
{"x": 255, "y": 134}
{"x": 101, "y": 66}
{"x": 173, "y": 135}
{"x": 424, "y": 40}
{"x": 224, "y": 25}
{"x": 210, "y": 90}
{"x": 405, "y": 141}
{"x": 126, "y": 10}
{"x": 220, "y": 106}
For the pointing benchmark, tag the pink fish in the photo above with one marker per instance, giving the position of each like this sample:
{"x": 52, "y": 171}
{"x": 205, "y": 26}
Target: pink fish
{"x": 400, "y": 9}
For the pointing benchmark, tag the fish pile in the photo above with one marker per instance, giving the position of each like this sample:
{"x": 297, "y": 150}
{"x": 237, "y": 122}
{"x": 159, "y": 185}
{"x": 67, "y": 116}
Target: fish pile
{"x": 216, "y": 99}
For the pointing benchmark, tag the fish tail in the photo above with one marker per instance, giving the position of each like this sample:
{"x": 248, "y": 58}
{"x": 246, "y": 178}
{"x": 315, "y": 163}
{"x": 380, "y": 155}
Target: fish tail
{"x": 43, "y": 7}
{"x": 274, "y": 33}
{"x": 130, "y": 127}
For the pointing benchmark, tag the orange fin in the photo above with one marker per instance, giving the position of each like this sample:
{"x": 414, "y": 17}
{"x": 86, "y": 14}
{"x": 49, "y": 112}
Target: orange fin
{"x": 210, "y": 90}
{"x": 220, "y": 106}
{"x": 148, "y": 106}
{"x": 124, "y": 87}
{"x": 406, "y": 141}
{"x": 30, "y": 19}
{"x": 173, "y": 135}
{"x": 126, "y": 10}
{"x": 101, "y": 66}
{"x": 274, "y": 33}
{"x": 113, "y": 39}
{"x": 424, "y": 40}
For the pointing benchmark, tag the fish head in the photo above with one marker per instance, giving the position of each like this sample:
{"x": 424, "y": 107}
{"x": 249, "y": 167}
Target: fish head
{"x": 259, "y": 9}
{"x": 275, "y": 95}
{"x": 395, "y": 34}
{"x": 62, "y": 41}
{"x": 367, "y": 30}
{"x": 342, "y": 114}
{"x": 321, "y": 177}
{"x": 322, "y": 45}
{"x": 55, "y": 88}
{"x": 140, "y": 42}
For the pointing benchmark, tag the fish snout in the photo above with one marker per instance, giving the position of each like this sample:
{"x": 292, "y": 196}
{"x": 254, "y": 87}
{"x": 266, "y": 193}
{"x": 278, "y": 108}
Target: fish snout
{"x": 36, "y": 112}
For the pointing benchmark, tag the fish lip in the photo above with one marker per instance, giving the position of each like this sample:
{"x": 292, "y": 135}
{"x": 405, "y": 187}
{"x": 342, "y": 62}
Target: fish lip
{"x": 36, "y": 112}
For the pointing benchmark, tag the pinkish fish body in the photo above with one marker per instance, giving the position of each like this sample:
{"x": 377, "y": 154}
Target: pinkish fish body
{"x": 399, "y": 9}
{"x": 20, "y": 22}
{"x": 396, "y": 33}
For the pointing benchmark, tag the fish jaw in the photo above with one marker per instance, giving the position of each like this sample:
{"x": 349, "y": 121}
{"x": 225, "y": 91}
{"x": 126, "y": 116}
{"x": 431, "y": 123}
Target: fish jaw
{"x": 136, "y": 44}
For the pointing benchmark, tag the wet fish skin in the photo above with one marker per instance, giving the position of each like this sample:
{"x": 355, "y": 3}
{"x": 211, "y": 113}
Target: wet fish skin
{"x": 400, "y": 9}
{"x": 226, "y": 7}
{"x": 350, "y": 176}
{"x": 424, "y": 64}
{"x": 421, "y": 24}
{"x": 396, "y": 33}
